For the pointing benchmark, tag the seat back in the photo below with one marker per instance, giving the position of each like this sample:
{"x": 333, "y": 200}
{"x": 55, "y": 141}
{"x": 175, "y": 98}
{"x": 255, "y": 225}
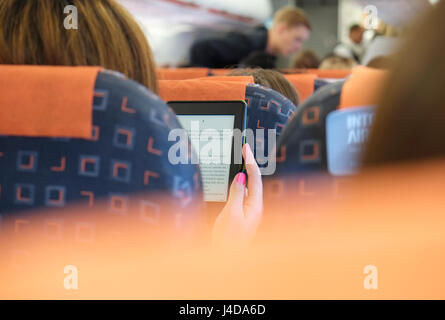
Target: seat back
{"x": 329, "y": 130}
{"x": 202, "y": 90}
{"x": 389, "y": 228}
{"x": 220, "y": 72}
{"x": 124, "y": 155}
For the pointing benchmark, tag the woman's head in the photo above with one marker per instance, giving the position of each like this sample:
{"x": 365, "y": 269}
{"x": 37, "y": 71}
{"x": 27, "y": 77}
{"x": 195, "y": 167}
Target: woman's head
{"x": 33, "y": 32}
{"x": 271, "y": 79}
{"x": 410, "y": 119}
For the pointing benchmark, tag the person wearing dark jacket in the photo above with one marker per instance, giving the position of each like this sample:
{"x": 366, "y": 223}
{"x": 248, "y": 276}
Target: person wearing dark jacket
{"x": 258, "y": 47}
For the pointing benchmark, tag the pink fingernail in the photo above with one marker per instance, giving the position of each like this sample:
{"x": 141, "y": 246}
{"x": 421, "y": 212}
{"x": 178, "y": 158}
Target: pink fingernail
{"x": 240, "y": 178}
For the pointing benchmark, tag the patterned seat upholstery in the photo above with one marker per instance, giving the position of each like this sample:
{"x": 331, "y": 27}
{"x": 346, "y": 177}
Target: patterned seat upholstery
{"x": 269, "y": 110}
{"x": 128, "y": 155}
{"x": 330, "y": 129}
{"x": 302, "y": 147}
{"x": 321, "y": 141}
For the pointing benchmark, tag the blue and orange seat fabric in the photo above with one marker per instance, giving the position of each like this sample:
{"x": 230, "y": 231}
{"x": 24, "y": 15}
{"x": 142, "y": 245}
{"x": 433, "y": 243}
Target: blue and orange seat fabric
{"x": 87, "y": 136}
{"x": 303, "y": 83}
{"x": 306, "y": 81}
{"x": 328, "y": 132}
{"x": 325, "y": 254}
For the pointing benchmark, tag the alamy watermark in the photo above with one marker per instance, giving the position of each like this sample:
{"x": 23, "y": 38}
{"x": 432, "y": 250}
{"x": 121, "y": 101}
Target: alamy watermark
{"x": 371, "y": 17}
{"x": 371, "y": 281}
{"x": 213, "y": 147}
{"x": 71, "y": 20}
{"x": 71, "y": 280}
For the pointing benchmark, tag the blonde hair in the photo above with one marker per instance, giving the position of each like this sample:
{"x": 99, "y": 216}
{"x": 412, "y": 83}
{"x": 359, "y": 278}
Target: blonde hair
{"x": 292, "y": 17}
{"x": 32, "y": 32}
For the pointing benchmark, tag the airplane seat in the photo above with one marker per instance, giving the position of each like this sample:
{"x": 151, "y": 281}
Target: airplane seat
{"x": 327, "y": 134}
{"x": 266, "y": 108}
{"x": 304, "y": 83}
{"x": 330, "y": 73}
{"x": 116, "y": 154}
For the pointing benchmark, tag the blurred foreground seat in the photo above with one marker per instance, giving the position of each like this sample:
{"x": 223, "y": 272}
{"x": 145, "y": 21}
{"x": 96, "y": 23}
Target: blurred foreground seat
{"x": 383, "y": 240}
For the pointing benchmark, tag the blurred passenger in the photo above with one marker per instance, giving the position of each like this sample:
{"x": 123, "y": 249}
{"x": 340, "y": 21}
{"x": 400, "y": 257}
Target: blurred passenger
{"x": 337, "y": 63}
{"x": 352, "y": 48}
{"x": 409, "y": 123}
{"x": 271, "y": 79}
{"x": 306, "y": 59}
{"x": 290, "y": 29}
{"x": 32, "y": 32}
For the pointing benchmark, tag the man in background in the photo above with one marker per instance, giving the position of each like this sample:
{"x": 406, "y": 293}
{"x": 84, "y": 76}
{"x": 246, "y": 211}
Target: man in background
{"x": 258, "y": 47}
{"x": 353, "y": 48}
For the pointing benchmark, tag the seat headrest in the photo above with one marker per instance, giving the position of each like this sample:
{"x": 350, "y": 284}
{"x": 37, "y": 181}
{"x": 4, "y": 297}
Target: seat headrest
{"x": 304, "y": 83}
{"x": 321, "y": 73}
{"x": 47, "y": 101}
{"x": 346, "y": 134}
{"x": 181, "y": 73}
{"x": 220, "y": 72}
{"x": 202, "y": 90}
{"x": 330, "y": 74}
{"x": 330, "y": 129}
{"x": 245, "y": 79}
{"x": 363, "y": 87}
